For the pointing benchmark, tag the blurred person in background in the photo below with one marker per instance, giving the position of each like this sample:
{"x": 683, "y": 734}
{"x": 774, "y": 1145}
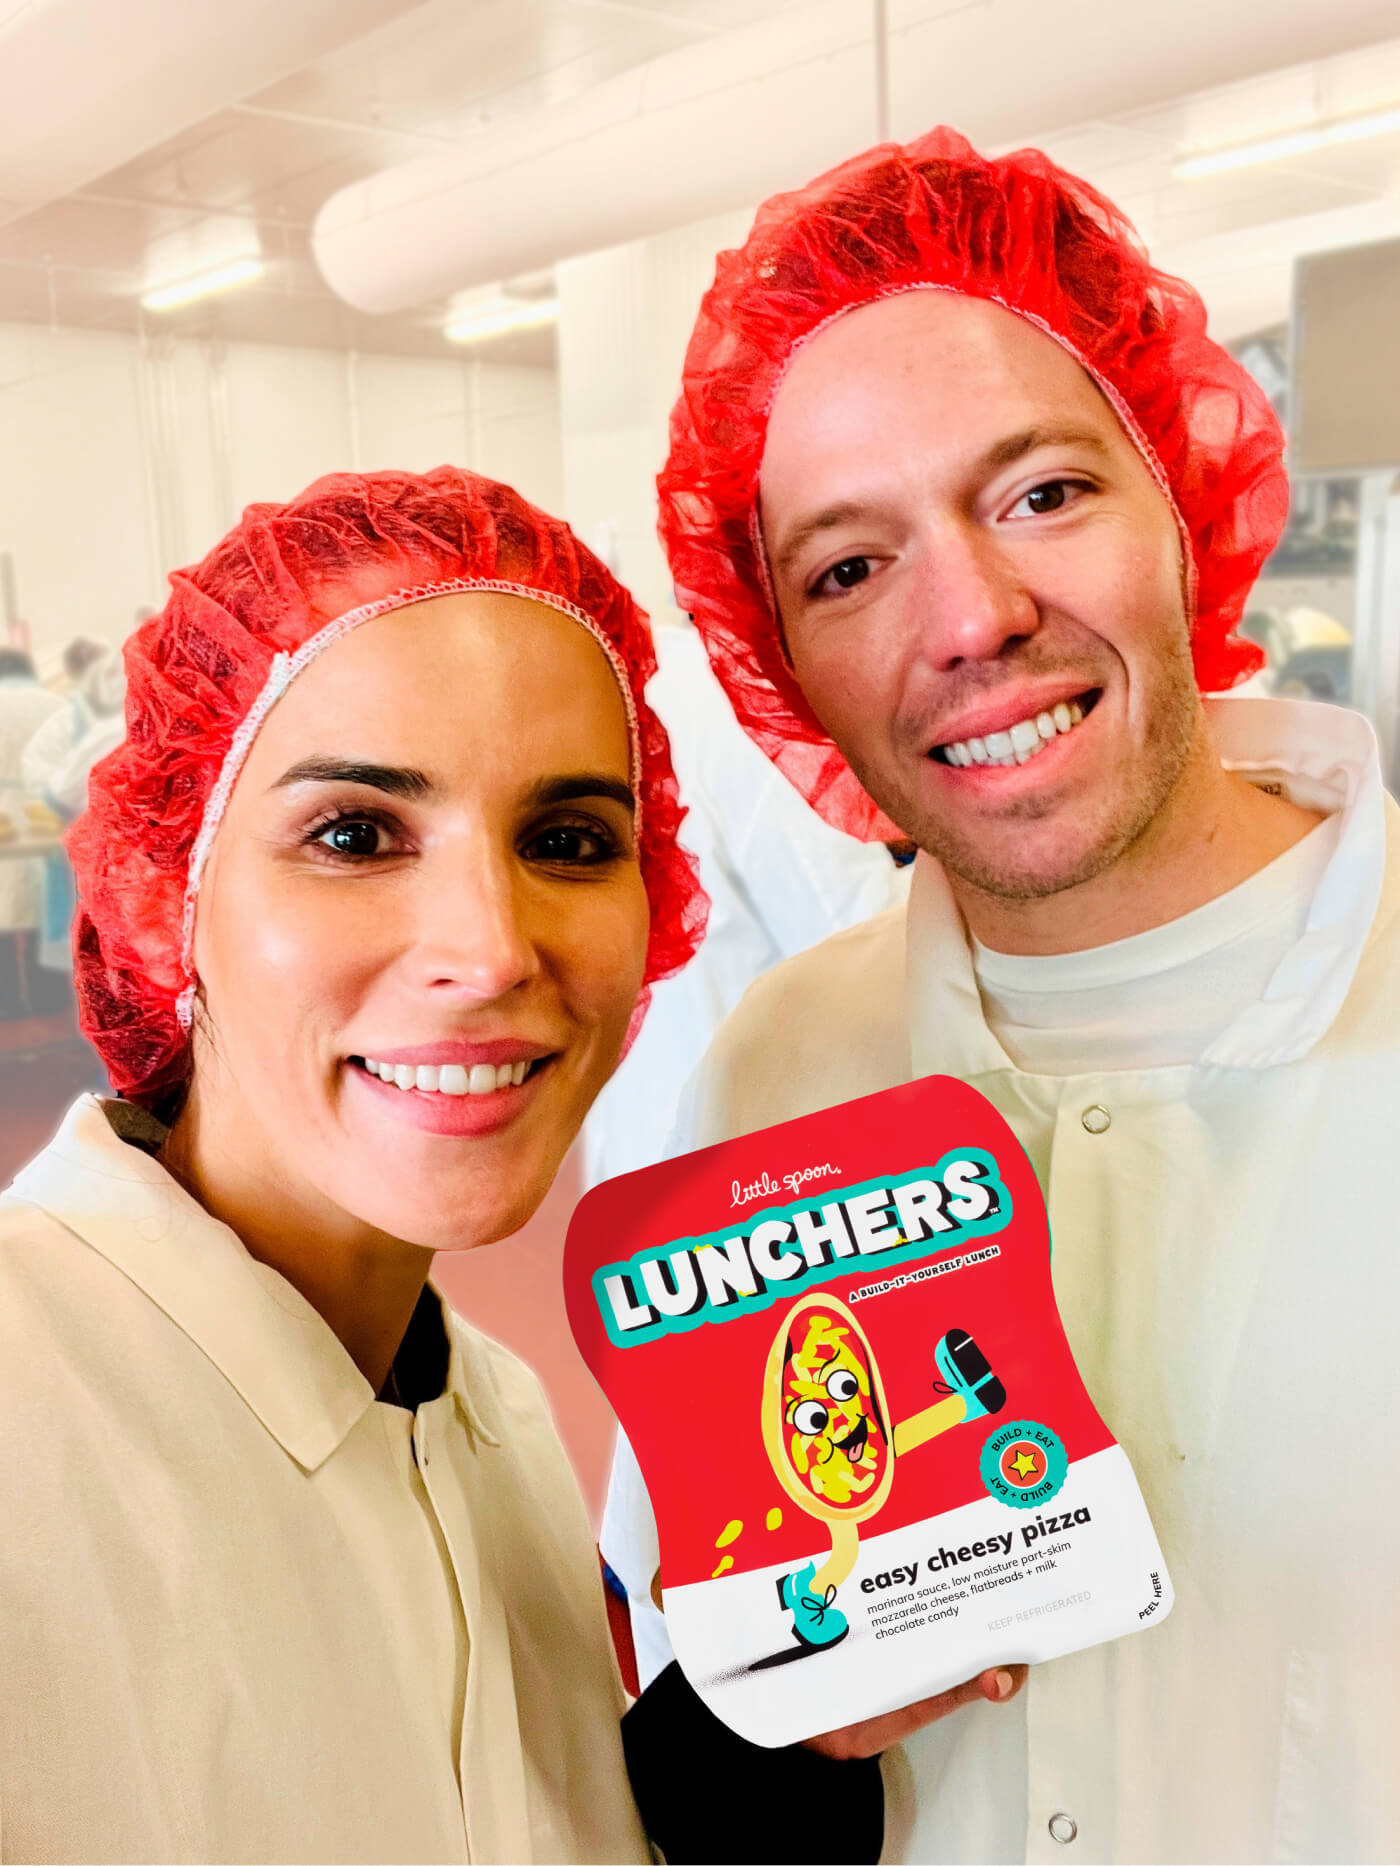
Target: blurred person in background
{"x": 371, "y": 895}
{"x": 967, "y": 507}
{"x": 24, "y": 706}
{"x": 54, "y": 770}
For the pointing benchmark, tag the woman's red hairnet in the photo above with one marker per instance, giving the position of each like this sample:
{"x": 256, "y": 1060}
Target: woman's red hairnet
{"x": 203, "y": 673}
{"x": 1018, "y": 231}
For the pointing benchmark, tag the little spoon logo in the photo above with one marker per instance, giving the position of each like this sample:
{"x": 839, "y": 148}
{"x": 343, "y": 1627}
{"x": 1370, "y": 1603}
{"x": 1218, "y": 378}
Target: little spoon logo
{"x": 765, "y": 1187}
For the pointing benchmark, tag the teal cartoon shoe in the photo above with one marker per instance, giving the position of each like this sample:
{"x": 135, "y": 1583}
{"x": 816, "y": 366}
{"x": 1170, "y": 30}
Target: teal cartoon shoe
{"x": 965, "y": 1370}
{"x": 815, "y": 1622}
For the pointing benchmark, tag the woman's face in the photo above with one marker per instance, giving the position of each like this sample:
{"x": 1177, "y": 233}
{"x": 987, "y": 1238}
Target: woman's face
{"x": 427, "y": 875}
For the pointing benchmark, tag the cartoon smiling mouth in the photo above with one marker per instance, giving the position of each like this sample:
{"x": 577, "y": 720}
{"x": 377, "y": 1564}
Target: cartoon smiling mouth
{"x": 854, "y": 1443}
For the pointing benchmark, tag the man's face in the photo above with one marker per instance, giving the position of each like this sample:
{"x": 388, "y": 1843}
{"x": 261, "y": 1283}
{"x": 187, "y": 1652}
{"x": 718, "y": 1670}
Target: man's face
{"x": 981, "y": 589}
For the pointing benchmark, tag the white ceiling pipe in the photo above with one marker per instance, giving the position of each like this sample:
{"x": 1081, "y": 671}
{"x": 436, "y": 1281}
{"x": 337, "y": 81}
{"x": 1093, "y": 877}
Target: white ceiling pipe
{"x": 92, "y": 84}
{"x": 720, "y": 125}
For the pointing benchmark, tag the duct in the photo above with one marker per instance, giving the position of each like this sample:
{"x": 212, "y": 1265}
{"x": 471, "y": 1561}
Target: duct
{"x": 90, "y": 85}
{"x": 720, "y": 125}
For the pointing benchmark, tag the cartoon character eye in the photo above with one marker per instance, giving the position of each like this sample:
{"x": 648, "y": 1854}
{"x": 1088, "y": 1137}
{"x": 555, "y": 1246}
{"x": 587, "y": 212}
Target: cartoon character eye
{"x": 843, "y": 1385}
{"x": 810, "y": 1417}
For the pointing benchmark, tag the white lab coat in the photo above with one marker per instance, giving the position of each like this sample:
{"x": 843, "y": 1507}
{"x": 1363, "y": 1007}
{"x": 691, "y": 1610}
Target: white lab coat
{"x": 1224, "y": 1262}
{"x": 779, "y": 879}
{"x": 249, "y": 1611}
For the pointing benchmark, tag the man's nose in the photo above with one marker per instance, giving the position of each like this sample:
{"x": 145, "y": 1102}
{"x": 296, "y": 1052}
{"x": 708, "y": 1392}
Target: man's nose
{"x": 970, "y": 600}
{"x": 473, "y": 937}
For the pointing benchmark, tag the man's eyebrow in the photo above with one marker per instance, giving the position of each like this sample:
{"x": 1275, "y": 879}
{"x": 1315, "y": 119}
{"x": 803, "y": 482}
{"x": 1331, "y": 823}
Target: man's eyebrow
{"x": 848, "y": 511}
{"x": 581, "y": 784}
{"x": 1014, "y": 447}
{"x": 1003, "y": 453}
{"x": 396, "y": 780}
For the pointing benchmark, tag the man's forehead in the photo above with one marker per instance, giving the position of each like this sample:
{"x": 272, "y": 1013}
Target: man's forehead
{"x": 975, "y": 384}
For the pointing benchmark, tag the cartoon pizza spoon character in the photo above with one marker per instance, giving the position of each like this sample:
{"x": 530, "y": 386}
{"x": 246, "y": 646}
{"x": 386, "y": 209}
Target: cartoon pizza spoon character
{"x": 826, "y": 1428}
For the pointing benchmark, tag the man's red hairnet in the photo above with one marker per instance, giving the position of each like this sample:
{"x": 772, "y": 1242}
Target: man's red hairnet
{"x": 1018, "y": 231}
{"x": 202, "y": 674}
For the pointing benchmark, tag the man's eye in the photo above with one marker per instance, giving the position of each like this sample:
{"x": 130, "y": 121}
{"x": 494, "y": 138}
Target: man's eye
{"x": 843, "y": 1385}
{"x": 1052, "y": 496}
{"x": 567, "y": 844}
{"x": 810, "y": 1417}
{"x": 843, "y": 576}
{"x": 353, "y": 836}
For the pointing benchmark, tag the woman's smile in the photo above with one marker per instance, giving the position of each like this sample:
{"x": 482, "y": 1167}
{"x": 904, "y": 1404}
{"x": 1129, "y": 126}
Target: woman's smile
{"x": 434, "y": 1103}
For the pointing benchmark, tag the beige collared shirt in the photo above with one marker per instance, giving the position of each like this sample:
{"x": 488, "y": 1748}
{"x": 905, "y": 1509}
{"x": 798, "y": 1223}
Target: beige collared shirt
{"x": 1226, "y": 1266}
{"x": 248, "y": 1612}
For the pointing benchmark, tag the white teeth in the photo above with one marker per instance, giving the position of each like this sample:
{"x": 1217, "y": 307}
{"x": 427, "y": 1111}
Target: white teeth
{"x": 451, "y": 1078}
{"x": 1024, "y": 736}
{"x": 1018, "y": 744}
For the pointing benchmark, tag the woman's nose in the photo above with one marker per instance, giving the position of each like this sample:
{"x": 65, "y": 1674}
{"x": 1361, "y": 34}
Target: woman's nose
{"x": 473, "y": 936}
{"x": 970, "y": 599}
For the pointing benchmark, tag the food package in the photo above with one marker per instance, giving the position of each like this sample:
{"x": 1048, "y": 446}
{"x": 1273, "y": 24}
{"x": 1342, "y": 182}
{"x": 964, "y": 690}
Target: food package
{"x": 834, "y": 1347}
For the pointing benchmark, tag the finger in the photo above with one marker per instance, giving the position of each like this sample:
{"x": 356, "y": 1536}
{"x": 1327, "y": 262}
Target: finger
{"x": 853, "y": 1741}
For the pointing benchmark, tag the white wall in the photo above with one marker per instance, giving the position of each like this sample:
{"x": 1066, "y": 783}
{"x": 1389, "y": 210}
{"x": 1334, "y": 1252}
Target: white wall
{"x": 625, "y": 317}
{"x": 120, "y": 460}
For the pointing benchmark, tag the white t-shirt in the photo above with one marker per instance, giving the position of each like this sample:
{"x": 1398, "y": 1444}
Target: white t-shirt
{"x": 1163, "y": 996}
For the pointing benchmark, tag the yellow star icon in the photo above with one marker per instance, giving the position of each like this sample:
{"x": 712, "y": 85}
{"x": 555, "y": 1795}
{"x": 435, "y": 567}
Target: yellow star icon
{"x": 1024, "y": 1464}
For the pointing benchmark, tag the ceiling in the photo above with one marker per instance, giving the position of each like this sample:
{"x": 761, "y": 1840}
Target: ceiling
{"x": 259, "y": 170}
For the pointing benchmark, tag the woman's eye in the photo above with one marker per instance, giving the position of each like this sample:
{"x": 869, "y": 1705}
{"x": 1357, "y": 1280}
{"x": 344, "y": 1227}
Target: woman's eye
{"x": 843, "y": 1385}
{"x": 810, "y": 1417}
{"x": 352, "y": 836}
{"x": 844, "y": 576}
{"x": 569, "y": 845}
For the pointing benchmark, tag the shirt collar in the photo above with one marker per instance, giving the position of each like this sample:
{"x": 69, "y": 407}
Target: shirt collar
{"x": 1325, "y": 758}
{"x": 271, "y": 1346}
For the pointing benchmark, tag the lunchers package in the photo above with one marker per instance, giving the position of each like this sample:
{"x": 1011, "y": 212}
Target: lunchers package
{"x": 835, "y": 1349}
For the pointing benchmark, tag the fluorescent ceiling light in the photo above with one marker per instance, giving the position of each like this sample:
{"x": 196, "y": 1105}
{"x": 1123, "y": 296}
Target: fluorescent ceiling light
{"x": 495, "y": 320}
{"x": 182, "y": 291}
{"x": 1290, "y": 143}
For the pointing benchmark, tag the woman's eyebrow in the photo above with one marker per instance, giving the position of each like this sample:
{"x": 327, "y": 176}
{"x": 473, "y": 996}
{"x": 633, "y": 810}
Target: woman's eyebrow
{"x": 582, "y": 784}
{"x": 397, "y": 780}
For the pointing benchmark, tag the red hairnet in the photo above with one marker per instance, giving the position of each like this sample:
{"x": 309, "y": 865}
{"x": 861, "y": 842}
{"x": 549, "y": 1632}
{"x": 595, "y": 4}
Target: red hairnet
{"x": 1018, "y": 231}
{"x": 202, "y": 674}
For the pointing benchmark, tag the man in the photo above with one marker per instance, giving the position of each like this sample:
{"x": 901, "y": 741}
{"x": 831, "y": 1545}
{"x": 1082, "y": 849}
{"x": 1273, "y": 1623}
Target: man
{"x": 966, "y": 506}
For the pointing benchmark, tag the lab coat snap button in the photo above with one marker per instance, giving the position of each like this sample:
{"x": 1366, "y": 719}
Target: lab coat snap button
{"x": 1095, "y": 1120}
{"x": 1064, "y": 1827}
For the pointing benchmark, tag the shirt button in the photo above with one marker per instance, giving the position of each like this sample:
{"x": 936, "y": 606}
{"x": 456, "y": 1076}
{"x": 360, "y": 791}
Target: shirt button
{"x": 1063, "y": 1827}
{"x": 1095, "y": 1120}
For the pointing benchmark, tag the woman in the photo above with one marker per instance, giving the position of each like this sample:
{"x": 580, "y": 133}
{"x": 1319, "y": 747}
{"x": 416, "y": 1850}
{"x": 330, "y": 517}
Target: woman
{"x": 293, "y": 1567}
